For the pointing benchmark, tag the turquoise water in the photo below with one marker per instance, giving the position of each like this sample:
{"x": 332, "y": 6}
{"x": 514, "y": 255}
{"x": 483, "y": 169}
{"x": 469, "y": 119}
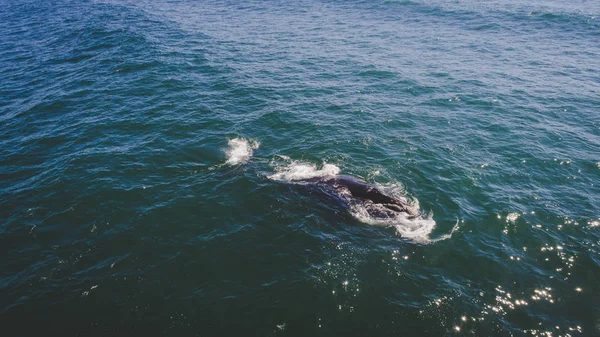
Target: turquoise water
{"x": 150, "y": 153}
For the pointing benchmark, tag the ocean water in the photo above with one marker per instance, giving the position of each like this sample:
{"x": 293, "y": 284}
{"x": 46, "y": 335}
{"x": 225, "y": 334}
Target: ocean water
{"x": 152, "y": 155}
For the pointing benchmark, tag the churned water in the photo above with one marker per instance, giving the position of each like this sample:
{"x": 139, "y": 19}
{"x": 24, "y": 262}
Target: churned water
{"x": 152, "y": 155}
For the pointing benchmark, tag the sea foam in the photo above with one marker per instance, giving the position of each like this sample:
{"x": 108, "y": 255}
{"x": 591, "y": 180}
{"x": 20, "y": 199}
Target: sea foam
{"x": 297, "y": 171}
{"x": 240, "y": 150}
{"x": 416, "y": 229}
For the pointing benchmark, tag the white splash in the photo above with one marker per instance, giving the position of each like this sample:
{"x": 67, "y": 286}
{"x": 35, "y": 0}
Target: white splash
{"x": 240, "y": 150}
{"x": 300, "y": 171}
{"x": 512, "y": 217}
{"x": 417, "y": 229}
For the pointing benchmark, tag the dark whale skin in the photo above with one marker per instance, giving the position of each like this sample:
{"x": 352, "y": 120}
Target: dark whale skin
{"x": 363, "y": 190}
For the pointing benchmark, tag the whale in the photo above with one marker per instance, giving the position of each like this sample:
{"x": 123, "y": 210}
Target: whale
{"x": 355, "y": 191}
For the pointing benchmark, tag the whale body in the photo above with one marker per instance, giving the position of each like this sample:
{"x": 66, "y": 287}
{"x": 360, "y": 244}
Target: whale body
{"x": 375, "y": 202}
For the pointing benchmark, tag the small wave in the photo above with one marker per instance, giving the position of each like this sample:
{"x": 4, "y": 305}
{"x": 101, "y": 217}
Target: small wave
{"x": 240, "y": 150}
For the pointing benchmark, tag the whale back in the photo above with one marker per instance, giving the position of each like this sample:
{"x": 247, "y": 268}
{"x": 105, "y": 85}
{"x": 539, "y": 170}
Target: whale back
{"x": 364, "y": 191}
{"x": 361, "y": 189}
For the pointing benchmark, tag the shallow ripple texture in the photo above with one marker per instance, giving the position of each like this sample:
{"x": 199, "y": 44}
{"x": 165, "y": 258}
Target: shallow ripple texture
{"x": 122, "y": 214}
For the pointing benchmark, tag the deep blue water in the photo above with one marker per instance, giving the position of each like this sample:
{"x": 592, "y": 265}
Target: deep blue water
{"x": 150, "y": 153}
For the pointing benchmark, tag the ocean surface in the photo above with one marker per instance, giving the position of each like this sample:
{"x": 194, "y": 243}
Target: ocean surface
{"x": 156, "y": 159}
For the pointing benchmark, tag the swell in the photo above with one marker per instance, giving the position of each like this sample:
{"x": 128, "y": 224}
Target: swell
{"x": 79, "y": 102}
{"x": 494, "y": 18}
{"x": 113, "y": 190}
{"x": 71, "y": 99}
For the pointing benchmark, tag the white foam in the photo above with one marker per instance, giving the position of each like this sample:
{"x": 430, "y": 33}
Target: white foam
{"x": 416, "y": 229}
{"x": 240, "y": 150}
{"x": 512, "y": 217}
{"x": 301, "y": 171}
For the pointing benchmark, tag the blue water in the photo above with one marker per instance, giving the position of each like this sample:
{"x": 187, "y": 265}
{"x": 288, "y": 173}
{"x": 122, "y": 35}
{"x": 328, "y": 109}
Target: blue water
{"x": 151, "y": 157}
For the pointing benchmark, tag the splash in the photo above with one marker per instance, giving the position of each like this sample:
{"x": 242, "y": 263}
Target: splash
{"x": 297, "y": 171}
{"x": 416, "y": 229}
{"x": 240, "y": 150}
{"x": 512, "y": 217}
